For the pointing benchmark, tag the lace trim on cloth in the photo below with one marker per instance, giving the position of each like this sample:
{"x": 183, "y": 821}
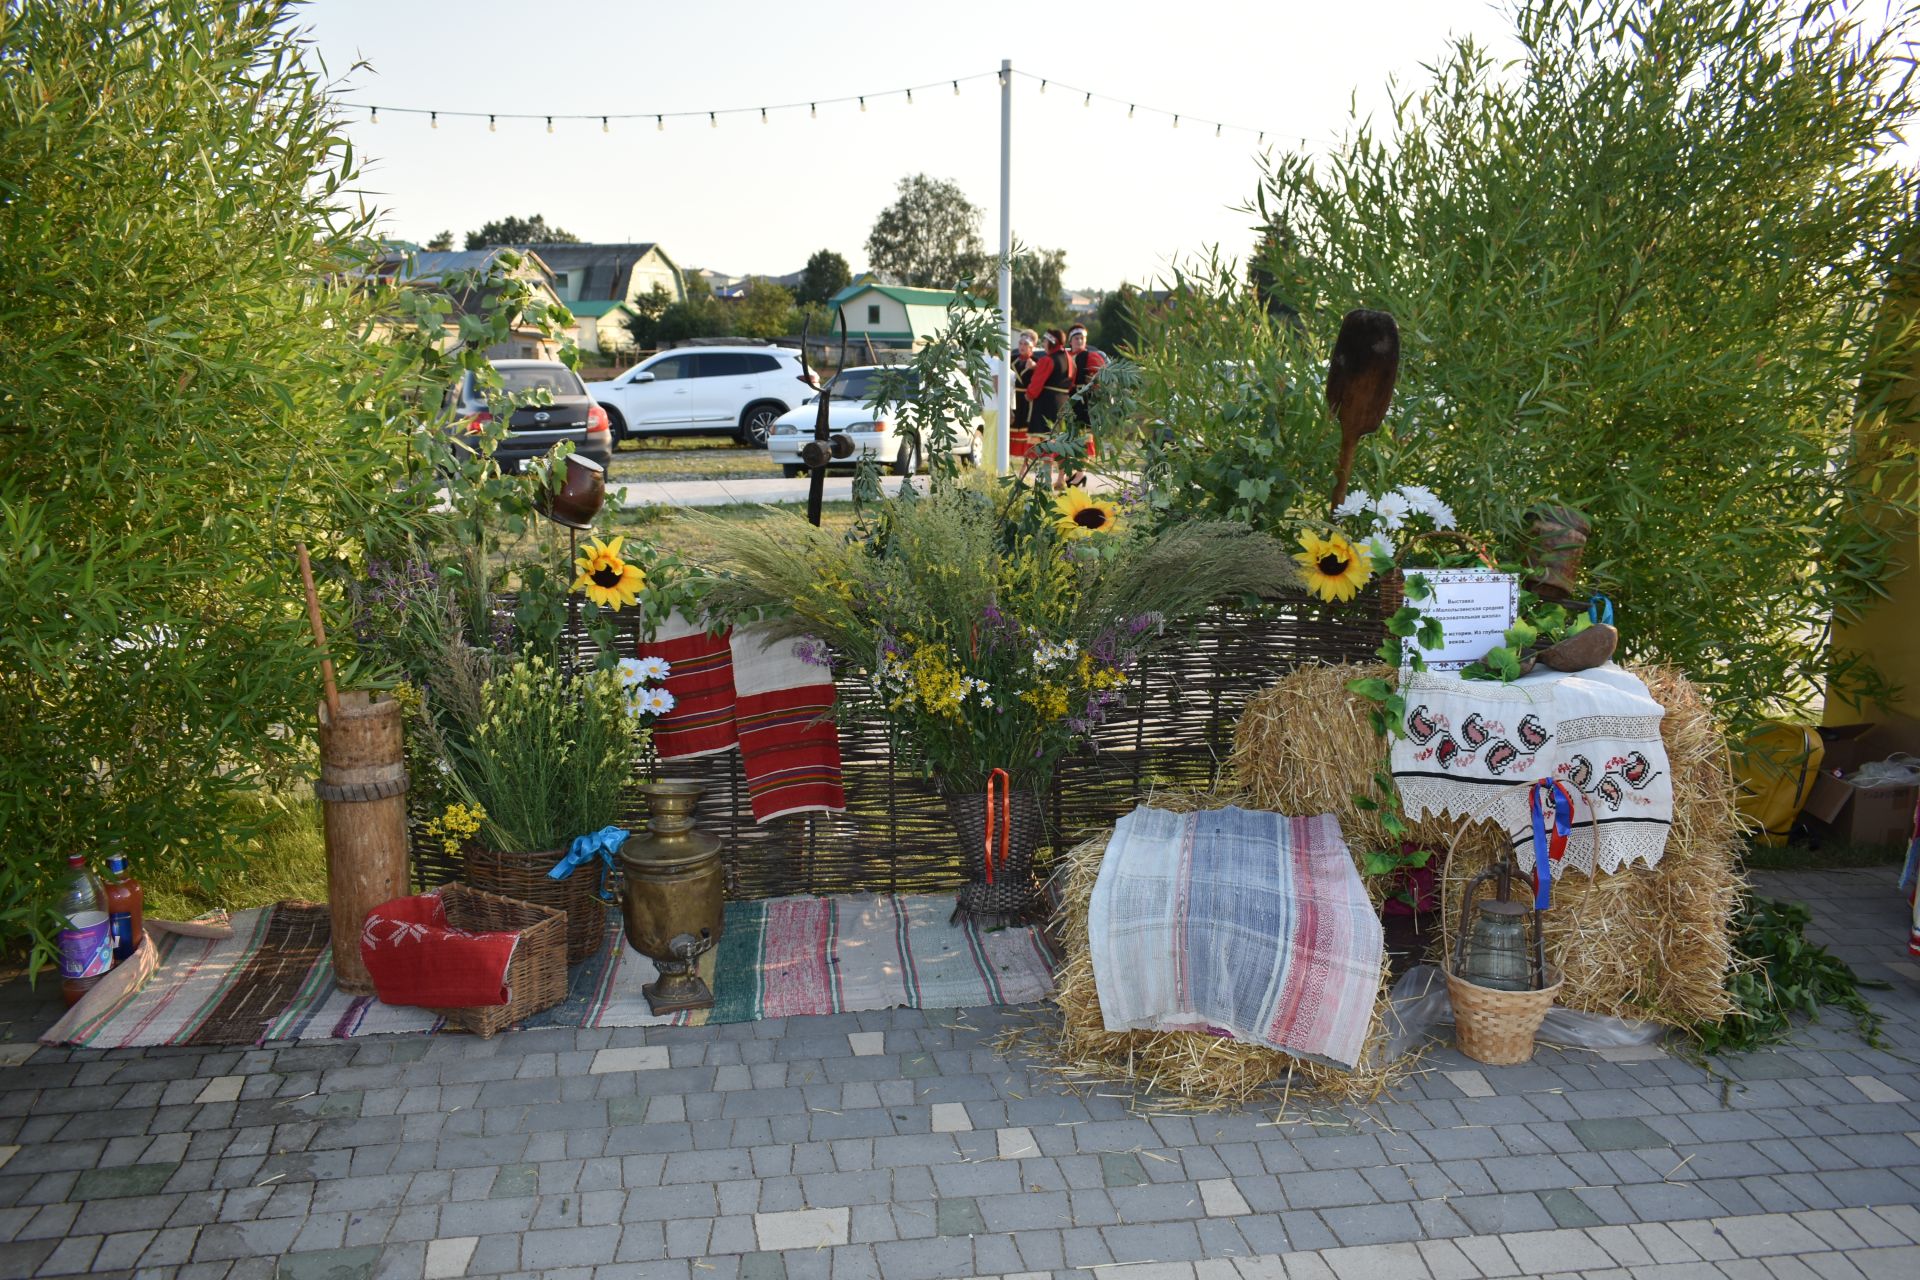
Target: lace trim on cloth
{"x": 1628, "y": 840}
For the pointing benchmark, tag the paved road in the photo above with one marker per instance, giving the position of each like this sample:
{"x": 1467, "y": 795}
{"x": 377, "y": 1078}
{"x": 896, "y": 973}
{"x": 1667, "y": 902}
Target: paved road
{"x": 900, "y": 1146}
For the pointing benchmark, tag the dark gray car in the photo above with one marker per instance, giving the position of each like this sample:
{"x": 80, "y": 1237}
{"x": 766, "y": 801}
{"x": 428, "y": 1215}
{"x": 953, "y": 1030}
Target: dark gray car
{"x": 568, "y": 414}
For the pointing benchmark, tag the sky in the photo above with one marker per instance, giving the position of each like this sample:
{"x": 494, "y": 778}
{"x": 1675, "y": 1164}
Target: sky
{"x": 1125, "y": 198}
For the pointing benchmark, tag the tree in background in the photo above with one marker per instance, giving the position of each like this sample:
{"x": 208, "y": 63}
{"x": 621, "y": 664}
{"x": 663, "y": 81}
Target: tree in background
{"x": 644, "y": 324}
{"x": 826, "y": 274}
{"x": 1638, "y": 273}
{"x": 1036, "y": 288}
{"x": 929, "y": 237}
{"x": 763, "y": 311}
{"x": 1115, "y": 328}
{"x": 698, "y": 316}
{"x": 693, "y": 285}
{"x": 441, "y": 242}
{"x": 532, "y": 230}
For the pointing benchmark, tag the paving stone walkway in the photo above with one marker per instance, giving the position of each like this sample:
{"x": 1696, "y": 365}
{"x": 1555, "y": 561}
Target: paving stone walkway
{"x": 900, "y": 1146}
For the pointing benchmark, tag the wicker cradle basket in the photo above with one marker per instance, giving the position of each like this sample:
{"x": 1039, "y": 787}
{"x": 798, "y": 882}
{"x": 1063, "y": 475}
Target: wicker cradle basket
{"x": 523, "y": 877}
{"x": 1498, "y": 1027}
{"x": 537, "y": 976}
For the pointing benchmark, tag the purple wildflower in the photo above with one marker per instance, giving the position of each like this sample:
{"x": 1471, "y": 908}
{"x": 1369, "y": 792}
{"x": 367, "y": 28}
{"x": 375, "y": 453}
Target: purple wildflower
{"x": 813, "y": 651}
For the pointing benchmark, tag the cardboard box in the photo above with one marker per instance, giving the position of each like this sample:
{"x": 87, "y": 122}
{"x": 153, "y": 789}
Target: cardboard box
{"x": 1864, "y": 815}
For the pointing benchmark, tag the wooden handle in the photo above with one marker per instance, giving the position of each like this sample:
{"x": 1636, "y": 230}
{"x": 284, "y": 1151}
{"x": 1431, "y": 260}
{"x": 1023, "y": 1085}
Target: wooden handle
{"x": 319, "y": 633}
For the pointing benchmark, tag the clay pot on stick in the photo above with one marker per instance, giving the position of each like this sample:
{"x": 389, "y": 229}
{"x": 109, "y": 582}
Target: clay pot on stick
{"x": 1360, "y": 376}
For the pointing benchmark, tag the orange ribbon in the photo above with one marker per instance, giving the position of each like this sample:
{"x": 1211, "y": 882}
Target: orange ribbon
{"x": 1006, "y": 818}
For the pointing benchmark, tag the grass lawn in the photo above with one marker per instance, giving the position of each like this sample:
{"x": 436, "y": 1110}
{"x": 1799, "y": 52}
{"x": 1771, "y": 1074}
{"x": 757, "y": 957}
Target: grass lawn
{"x": 289, "y": 860}
{"x": 675, "y": 529}
{"x": 690, "y": 458}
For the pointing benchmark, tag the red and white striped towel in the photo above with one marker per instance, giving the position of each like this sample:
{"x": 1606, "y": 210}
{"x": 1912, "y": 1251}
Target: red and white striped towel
{"x": 743, "y": 689}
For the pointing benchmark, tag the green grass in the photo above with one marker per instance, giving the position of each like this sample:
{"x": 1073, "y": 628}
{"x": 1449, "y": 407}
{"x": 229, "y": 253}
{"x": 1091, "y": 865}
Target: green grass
{"x": 1832, "y": 854}
{"x": 692, "y": 458}
{"x": 288, "y": 860}
{"x": 668, "y": 528}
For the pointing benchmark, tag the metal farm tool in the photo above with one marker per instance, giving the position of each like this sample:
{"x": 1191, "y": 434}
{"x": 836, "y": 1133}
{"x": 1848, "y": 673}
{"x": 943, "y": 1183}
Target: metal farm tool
{"x": 823, "y": 450}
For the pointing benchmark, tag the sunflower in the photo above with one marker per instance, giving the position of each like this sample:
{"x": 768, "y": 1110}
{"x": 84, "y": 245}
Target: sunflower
{"x": 606, "y": 578}
{"x": 1078, "y": 514}
{"x": 1333, "y": 568}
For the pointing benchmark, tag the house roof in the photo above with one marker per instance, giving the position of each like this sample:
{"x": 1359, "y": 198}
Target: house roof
{"x": 597, "y": 307}
{"x": 604, "y": 271}
{"x": 902, "y": 294}
{"x": 432, "y": 264}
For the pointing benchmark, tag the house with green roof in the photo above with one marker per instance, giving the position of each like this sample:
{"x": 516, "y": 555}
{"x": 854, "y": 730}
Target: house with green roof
{"x": 600, "y": 325}
{"x": 889, "y": 315}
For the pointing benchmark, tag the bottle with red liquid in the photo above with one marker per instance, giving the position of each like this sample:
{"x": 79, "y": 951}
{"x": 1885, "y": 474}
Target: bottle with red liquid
{"x": 86, "y": 935}
{"x": 125, "y": 914}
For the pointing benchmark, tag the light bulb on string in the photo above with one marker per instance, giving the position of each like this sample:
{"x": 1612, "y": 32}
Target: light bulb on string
{"x": 660, "y": 124}
{"x": 713, "y": 121}
{"x": 956, "y": 88}
{"x": 1129, "y": 111}
{"x": 1176, "y": 122}
{"x": 374, "y": 118}
{"x": 813, "y": 111}
{"x": 493, "y": 126}
{"x": 909, "y": 97}
{"x": 549, "y": 124}
{"x": 1043, "y": 88}
{"x": 1216, "y": 130}
{"x": 1088, "y": 102}
{"x": 604, "y": 126}
{"x": 863, "y": 102}
{"x": 433, "y": 119}
{"x": 763, "y": 115}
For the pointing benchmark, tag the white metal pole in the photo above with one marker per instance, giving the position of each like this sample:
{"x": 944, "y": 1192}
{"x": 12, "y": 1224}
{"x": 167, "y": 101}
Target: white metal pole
{"x": 1002, "y": 427}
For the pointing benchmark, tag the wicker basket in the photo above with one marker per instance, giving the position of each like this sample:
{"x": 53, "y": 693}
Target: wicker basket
{"x": 537, "y": 978}
{"x": 523, "y": 877}
{"x": 1498, "y": 1027}
{"x": 1015, "y": 892}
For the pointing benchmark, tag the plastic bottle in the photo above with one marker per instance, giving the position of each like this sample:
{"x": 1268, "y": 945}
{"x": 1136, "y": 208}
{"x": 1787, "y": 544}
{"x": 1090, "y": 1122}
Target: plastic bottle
{"x": 86, "y": 936}
{"x": 125, "y": 913}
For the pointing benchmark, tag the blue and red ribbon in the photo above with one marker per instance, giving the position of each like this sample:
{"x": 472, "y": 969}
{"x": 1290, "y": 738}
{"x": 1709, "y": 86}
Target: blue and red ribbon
{"x": 1548, "y": 847}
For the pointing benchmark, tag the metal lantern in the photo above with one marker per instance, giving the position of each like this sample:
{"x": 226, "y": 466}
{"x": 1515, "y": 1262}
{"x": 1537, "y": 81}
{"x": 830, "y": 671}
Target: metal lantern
{"x": 672, "y": 896}
{"x": 1491, "y": 948}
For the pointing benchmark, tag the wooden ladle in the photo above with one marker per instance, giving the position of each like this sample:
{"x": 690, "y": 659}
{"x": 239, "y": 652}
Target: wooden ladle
{"x": 1360, "y": 377}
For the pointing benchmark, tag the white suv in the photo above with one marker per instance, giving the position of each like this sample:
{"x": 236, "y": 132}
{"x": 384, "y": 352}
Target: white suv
{"x": 736, "y": 391}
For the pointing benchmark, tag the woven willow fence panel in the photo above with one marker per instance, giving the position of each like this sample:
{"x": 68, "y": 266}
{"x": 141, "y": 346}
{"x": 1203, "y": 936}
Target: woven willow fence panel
{"x": 1176, "y": 731}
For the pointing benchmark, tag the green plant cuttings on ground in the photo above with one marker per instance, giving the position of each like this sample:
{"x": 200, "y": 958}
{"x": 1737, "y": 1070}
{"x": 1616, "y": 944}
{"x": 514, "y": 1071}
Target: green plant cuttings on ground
{"x": 1785, "y": 975}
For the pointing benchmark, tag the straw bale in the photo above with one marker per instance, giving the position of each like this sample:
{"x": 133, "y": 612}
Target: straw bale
{"x": 1187, "y": 1069}
{"x": 1651, "y": 944}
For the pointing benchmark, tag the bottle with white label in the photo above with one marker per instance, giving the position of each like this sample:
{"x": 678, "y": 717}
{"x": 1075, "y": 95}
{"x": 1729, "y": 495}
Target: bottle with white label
{"x": 86, "y": 934}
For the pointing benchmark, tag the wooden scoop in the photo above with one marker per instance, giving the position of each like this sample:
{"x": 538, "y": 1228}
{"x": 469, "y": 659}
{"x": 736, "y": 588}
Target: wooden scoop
{"x": 1360, "y": 377}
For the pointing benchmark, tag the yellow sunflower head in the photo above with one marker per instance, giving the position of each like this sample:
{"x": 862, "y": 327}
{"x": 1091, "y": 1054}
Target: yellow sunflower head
{"x": 1332, "y": 567}
{"x": 606, "y": 579}
{"x": 1078, "y": 514}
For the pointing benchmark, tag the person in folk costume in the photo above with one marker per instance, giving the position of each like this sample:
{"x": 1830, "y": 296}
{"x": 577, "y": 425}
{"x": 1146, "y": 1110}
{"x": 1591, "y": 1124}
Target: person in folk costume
{"x": 1021, "y": 407}
{"x": 1087, "y": 364}
{"x": 1050, "y": 391}
{"x": 1910, "y": 881}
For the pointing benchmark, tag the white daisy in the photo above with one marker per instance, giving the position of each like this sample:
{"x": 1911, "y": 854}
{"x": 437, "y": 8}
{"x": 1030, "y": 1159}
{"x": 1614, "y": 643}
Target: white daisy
{"x": 656, "y": 702}
{"x": 1380, "y": 550}
{"x": 632, "y": 672}
{"x": 653, "y": 668}
{"x": 1356, "y": 502}
{"x": 1391, "y": 511}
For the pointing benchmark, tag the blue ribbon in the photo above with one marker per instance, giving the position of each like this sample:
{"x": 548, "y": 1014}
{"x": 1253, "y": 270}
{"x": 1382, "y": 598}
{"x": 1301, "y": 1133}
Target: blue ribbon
{"x": 1562, "y": 827}
{"x": 601, "y": 845}
{"x": 1600, "y": 610}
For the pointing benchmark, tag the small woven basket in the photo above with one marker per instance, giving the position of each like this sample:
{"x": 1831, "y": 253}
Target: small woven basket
{"x": 537, "y": 977}
{"x": 1498, "y": 1027}
{"x": 1014, "y": 893}
{"x": 523, "y": 877}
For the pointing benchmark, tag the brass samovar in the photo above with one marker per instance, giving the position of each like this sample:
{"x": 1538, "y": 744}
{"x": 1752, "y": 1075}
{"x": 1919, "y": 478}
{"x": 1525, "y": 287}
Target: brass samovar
{"x": 672, "y": 901}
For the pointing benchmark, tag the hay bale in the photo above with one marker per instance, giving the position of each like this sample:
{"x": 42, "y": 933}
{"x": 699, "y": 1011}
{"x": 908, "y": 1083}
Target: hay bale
{"x": 1191, "y": 1070}
{"x": 1640, "y": 943}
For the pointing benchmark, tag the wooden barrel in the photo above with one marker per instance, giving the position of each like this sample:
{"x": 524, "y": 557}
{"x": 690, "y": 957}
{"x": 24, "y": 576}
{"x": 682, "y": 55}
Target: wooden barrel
{"x": 363, "y": 798}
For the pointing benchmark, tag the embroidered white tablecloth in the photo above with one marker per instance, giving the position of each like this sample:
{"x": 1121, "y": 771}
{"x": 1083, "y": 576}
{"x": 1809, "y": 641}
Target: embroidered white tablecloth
{"x": 1473, "y": 746}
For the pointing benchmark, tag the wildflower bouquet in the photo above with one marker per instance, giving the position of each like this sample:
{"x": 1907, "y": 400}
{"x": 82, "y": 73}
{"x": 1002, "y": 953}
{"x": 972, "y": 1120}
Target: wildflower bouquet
{"x": 1386, "y": 524}
{"x": 992, "y": 642}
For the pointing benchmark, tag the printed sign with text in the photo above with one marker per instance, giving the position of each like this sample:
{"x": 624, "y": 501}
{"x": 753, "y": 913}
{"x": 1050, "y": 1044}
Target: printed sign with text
{"x": 1474, "y": 608}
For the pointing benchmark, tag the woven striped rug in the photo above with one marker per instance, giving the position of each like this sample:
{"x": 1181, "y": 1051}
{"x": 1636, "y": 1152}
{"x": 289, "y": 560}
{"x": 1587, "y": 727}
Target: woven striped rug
{"x": 778, "y": 958}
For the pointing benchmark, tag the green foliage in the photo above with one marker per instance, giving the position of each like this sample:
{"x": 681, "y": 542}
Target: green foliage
{"x": 548, "y": 756}
{"x": 201, "y": 370}
{"x": 765, "y": 311}
{"x": 1538, "y": 626}
{"x": 643, "y": 326}
{"x": 825, "y": 274}
{"x": 1114, "y": 329}
{"x": 441, "y": 242}
{"x": 929, "y": 237}
{"x": 512, "y": 230}
{"x": 1782, "y": 975}
{"x": 1641, "y": 269}
{"x": 698, "y": 315}
{"x": 938, "y": 391}
{"x": 1036, "y": 288}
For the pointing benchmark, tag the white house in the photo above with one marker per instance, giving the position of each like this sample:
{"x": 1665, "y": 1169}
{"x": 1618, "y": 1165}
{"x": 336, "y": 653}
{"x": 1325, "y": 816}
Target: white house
{"x": 894, "y": 315}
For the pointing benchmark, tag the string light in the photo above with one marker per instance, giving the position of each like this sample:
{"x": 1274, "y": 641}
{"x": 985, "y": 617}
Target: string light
{"x": 956, "y": 88}
{"x": 1176, "y": 122}
{"x": 493, "y": 126}
{"x": 604, "y": 126}
{"x": 1043, "y": 88}
{"x": 909, "y": 97}
{"x": 660, "y": 124}
{"x": 763, "y": 115}
{"x": 863, "y": 103}
{"x": 713, "y": 121}
{"x": 435, "y": 119}
{"x": 1088, "y": 102}
{"x": 1129, "y": 111}
{"x": 1216, "y": 130}
{"x": 813, "y": 112}
{"x": 375, "y": 117}
{"x": 549, "y": 124}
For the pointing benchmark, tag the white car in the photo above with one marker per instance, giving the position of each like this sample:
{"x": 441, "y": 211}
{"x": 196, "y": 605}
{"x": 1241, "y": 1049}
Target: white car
{"x": 872, "y": 428}
{"x": 736, "y": 391}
